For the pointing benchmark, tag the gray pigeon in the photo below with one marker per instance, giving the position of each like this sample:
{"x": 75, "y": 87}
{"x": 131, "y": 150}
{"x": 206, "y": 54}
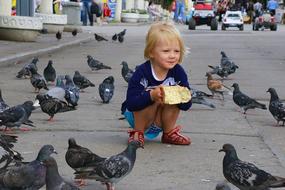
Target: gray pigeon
{"x": 228, "y": 64}
{"x": 38, "y": 81}
{"x": 99, "y": 38}
{"x": 17, "y": 115}
{"x": 245, "y": 102}
{"x": 112, "y": 169}
{"x": 71, "y": 91}
{"x": 3, "y": 105}
{"x": 276, "y": 107}
{"x": 28, "y": 176}
{"x": 49, "y": 72}
{"x": 247, "y": 176}
{"x": 53, "y": 179}
{"x": 126, "y": 72}
{"x": 58, "y": 35}
{"x": 114, "y": 37}
{"x": 81, "y": 81}
{"x": 95, "y": 64}
{"x": 123, "y": 33}
{"x": 198, "y": 98}
{"x": 120, "y": 38}
{"x": 106, "y": 89}
{"x": 52, "y": 106}
{"x": 7, "y": 154}
{"x": 26, "y": 70}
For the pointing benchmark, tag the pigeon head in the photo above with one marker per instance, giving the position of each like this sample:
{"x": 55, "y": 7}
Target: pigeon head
{"x": 89, "y": 57}
{"x": 235, "y": 85}
{"x": 28, "y": 106}
{"x": 125, "y": 64}
{"x": 50, "y": 63}
{"x": 67, "y": 78}
{"x": 76, "y": 73}
{"x": 223, "y": 54}
{"x": 71, "y": 143}
{"x": 40, "y": 97}
{"x": 109, "y": 80}
{"x": 231, "y": 154}
{"x": 35, "y": 60}
{"x": 33, "y": 70}
{"x": 135, "y": 145}
{"x": 45, "y": 152}
{"x": 273, "y": 93}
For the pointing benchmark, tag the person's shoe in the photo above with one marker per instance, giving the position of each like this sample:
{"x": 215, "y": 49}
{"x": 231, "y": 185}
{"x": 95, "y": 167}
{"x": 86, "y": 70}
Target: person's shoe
{"x": 175, "y": 137}
{"x": 136, "y": 135}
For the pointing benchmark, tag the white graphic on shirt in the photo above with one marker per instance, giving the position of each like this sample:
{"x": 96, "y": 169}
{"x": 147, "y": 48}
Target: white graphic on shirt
{"x": 170, "y": 81}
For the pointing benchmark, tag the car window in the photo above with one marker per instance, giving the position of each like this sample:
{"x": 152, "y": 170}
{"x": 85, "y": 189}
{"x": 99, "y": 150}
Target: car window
{"x": 233, "y": 15}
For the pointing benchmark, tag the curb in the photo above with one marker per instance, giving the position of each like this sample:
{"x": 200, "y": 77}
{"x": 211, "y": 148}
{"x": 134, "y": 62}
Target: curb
{"x": 9, "y": 60}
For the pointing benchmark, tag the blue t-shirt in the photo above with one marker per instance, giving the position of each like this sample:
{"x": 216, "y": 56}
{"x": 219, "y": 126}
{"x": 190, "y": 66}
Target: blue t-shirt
{"x": 138, "y": 94}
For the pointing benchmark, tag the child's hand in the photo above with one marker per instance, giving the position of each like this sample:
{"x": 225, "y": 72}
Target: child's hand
{"x": 157, "y": 94}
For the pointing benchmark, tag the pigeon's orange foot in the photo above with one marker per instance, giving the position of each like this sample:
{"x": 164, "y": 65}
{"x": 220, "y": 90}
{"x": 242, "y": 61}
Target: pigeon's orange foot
{"x": 80, "y": 182}
{"x": 24, "y": 129}
{"x": 51, "y": 119}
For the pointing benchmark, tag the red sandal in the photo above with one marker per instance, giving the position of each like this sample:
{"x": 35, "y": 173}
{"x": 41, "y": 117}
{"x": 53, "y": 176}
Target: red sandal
{"x": 136, "y": 135}
{"x": 175, "y": 137}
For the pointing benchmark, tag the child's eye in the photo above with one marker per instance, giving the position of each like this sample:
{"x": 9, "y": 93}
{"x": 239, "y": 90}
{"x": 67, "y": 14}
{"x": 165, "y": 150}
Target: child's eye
{"x": 165, "y": 50}
{"x": 177, "y": 51}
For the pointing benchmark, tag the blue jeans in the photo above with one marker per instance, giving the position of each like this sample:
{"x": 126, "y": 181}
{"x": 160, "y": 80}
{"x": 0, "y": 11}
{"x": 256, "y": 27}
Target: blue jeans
{"x": 179, "y": 12}
{"x": 85, "y": 12}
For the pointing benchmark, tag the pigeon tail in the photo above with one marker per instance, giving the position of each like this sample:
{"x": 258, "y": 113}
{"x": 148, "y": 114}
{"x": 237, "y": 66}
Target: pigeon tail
{"x": 66, "y": 109}
{"x": 278, "y": 182}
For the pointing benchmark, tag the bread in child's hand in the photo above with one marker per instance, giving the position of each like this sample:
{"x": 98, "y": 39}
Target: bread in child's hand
{"x": 176, "y": 94}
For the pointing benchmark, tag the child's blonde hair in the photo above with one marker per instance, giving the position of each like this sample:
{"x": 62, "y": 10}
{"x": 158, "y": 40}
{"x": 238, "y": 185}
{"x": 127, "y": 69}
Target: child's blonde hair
{"x": 164, "y": 31}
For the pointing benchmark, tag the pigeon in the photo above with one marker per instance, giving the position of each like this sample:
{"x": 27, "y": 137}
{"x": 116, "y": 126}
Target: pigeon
{"x": 17, "y": 115}
{"x": 218, "y": 70}
{"x": 112, "y": 169}
{"x": 95, "y": 64}
{"x": 71, "y": 91}
{"x": 216, "y": 86}
{"x": 49, "y": 72}
{"x": 122, "y": 33}
{"x": 38, "y": 81}
{"x": 44, "y": 31}
{"x": 7, "y": 154}
{"x": 106, "y": 89}
{"x": 198, "y": 98}
{"x": 244, "y": 101}
{"x": 99, "y": 38}
{"x": 74, "y": 32}
{"x": 25, "y": 71}
{"x": 28, "y": 176}
{"x": 114, "y": 37}
{"x": 77, "y": 157}
{"x": 222, "y": 186}
{"x": 53, "y": 179}
{"x": 3, "y": 105}
{"x": 58, "y": 35}
{"x": 126, "y": 72}
{"x": 120, "y": 38}
{"x": 228, "y": 64}
{"x": 246, "y": 176}
{"x": 276, "y": 107}
{"x": 81, "y": 81}
{"x": 52, "y": 106}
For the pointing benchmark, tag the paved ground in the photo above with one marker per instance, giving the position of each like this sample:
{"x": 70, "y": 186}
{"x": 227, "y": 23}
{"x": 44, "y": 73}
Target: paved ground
{"x": 159, "y": 166}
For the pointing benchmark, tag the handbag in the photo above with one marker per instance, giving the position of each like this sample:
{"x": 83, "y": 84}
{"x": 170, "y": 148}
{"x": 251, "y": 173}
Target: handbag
{"x": 95, "y": 9}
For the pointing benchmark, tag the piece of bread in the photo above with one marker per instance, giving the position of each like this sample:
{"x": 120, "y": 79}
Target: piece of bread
{"x": 176, "y": 94}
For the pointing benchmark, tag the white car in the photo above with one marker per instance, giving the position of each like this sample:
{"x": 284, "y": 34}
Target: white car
{"x": 232, "y": 19}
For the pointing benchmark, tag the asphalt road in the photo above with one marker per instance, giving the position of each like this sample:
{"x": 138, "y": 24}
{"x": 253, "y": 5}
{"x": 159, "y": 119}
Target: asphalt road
{"x": 95, "y": 125}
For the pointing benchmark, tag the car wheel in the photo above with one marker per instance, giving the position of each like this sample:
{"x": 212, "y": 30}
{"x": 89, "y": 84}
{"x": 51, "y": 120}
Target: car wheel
{"x": 192, "y": 24}
{"x": 223, "y": 27}
{"x": 273, "y": 27}
{"x": 214, "y": 24}
{"x": 241, "y": 28}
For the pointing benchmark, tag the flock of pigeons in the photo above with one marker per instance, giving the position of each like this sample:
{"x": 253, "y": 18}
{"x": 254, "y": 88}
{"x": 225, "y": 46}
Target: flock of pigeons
{"x": 64, "y": 96}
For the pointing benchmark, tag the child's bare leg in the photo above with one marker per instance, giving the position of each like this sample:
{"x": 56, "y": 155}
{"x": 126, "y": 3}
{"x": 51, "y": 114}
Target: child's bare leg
{"x": 169, "y": 115}
{"x": 145, "y": 117}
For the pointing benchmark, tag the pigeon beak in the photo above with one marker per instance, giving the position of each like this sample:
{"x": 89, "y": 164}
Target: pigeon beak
{"x": 221, "y": 150}
{"x": 54, "y": 151}
{"x": 267, "y": 91}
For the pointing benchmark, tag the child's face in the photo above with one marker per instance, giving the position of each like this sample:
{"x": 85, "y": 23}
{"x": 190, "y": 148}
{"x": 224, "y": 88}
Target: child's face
{"x": 166, "y": 54}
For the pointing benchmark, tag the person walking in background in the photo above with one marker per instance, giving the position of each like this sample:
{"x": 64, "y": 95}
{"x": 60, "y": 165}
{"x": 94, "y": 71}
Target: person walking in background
{"x": 257, "y": 7}
{"x": 106, "y": 12}
{"x": 179, "y": 11}
{"x": 272, "y": 5}
{"x": 154, "y": 14}
{"x": 86, "y": 13}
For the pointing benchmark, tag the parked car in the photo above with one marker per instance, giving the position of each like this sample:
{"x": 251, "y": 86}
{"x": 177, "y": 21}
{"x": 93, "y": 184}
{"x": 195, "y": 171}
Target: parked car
{"x": 203, "y": 13}
{"x": 232, "y": 19}
{"x": 264, "y": 21}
